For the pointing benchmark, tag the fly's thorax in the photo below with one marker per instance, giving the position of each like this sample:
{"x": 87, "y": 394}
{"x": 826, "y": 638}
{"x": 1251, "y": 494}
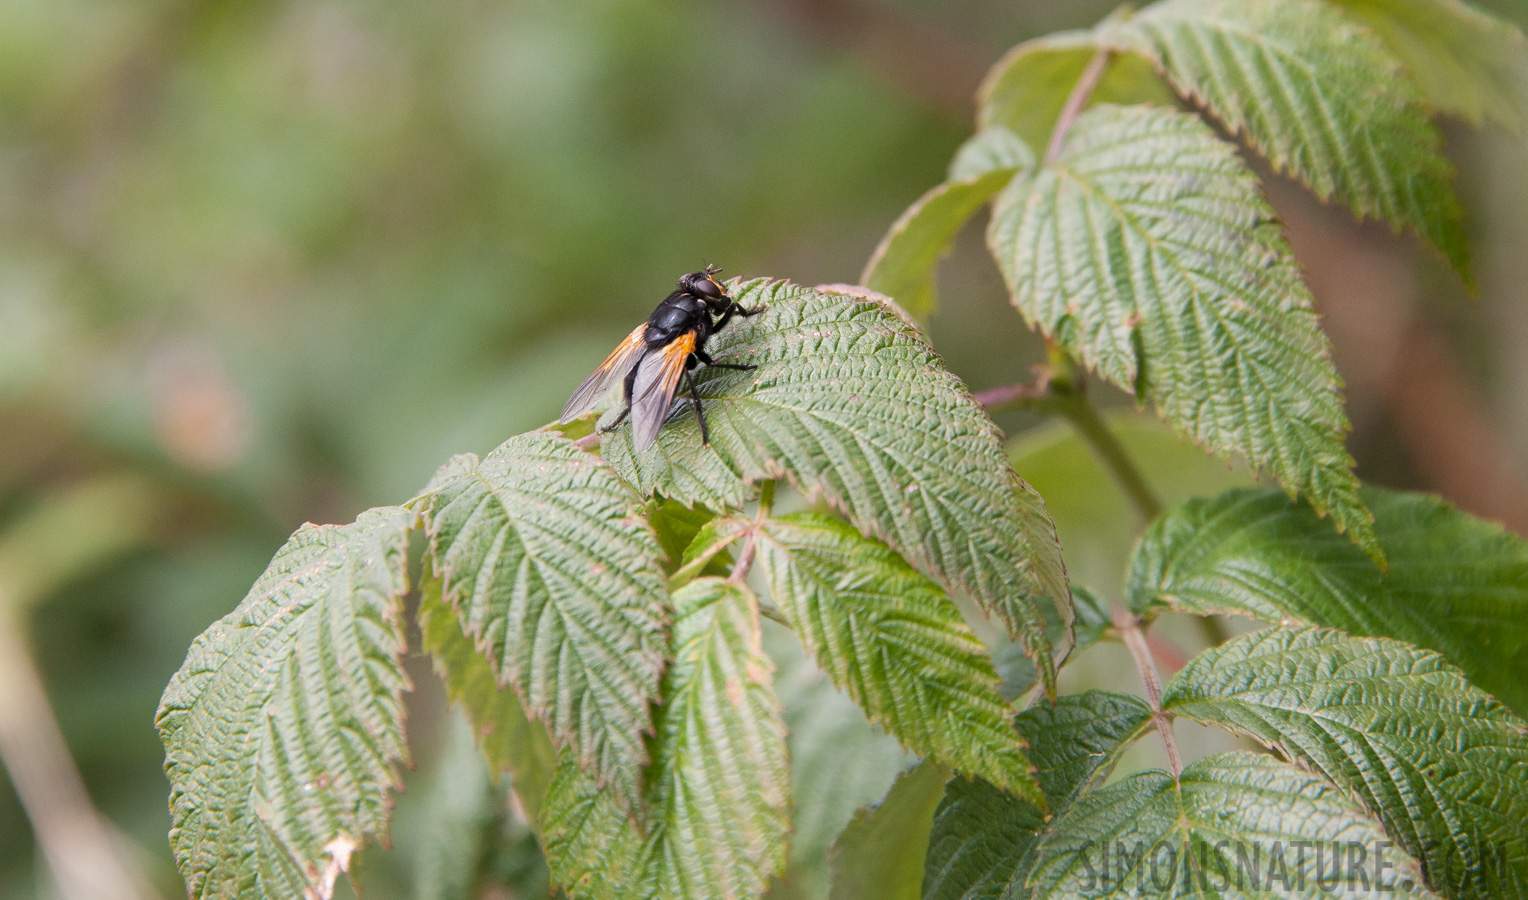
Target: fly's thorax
{"x": 674, "y": 317}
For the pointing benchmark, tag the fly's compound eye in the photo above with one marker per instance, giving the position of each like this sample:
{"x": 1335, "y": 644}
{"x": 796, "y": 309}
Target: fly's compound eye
{"x": 703, "y": 286}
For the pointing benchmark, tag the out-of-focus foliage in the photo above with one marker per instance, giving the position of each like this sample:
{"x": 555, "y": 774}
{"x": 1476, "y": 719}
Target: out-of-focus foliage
{"x": 275, "y": 261}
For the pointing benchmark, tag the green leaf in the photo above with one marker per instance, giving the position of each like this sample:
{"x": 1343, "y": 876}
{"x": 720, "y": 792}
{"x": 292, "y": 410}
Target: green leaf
{"x": 1443, "y": 765}
{"x": 1231, "y": 826}
{"x": 704, "y": 555}
{"x": 906, "y": 260}
{"x": 1318, "y": 96}
{"x": 1077, "y": 740}
{"x": 981, "y": 846}
{"x": 895, "y": 643}
{"x": 720, "y": 780}
{"x": 992, "y": 149}
{"x": 592, "y": 847}
{"x": 1147, "y": 252}
{"x": 283, "y": 727}
{"x": 1015, "y": 670}
{"x": 1465, "y": 61}
{"x": 853, "y": 407}
{"x": 509, "y": 741}
{"x": 880, "y": 854}
{"x": 544, "y": 555}
{"x": 1027, "y": 88}
{"x": 670, "y": 468}
{"x": 676, "y": 526}
{"x": 722, "y": 761}
{"x": 1094, "y": 519}
{"x": 1456, "y": 584}
{"x": 1093, "y": 617}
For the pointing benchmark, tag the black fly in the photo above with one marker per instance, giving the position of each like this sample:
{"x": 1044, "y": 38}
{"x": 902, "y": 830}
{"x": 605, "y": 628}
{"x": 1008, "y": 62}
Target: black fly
{"x": 657, "y": 353}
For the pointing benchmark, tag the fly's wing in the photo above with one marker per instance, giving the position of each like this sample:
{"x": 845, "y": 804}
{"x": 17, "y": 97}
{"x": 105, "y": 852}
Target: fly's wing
{"x": 612, "y": 370}
{"x": 653, "y": 393}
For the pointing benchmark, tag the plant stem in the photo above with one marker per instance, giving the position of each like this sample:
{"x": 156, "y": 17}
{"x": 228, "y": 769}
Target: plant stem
{"x": 74, "y": 838}
{"x": 1129, "y": 627}
{"x": 1111, "y": 453}
{"x": 1075, "y": 101}
{"x": 1035, "y": 398}
{"x": 750, "y": 546}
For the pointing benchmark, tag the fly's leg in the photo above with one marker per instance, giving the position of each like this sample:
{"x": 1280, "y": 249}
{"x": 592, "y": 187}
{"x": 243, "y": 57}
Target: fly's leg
{"x": 629, "y": 385}
{"x": 736, "y": 309}
{"x": 705, "y": 357}
{"x": 705, "y": 436}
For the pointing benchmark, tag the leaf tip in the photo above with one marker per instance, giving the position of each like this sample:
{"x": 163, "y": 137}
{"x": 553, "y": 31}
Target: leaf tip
{"x": 339, "y": 850}
{"x": 865, "y": 293}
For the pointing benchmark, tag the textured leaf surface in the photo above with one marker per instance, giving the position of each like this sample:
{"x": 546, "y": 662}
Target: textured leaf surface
{"x": 1166, "y": 839}
{"x": 1027, "y": 88}
{"x": 1148, "y": 253}
{"x": 852, "y": 406}
{"x": 880, "y": 853}
{"x": 283, "y": 727}
{"x": 896, "y": 643}
{"x": 1443, "y": 765}
{"x": 720, "y": 787}
{"x": 1321, "y": 98}
{"x": 508, "y": 740}
{"x": 1078, "y": 739}
{"x": 671, "y": 468}
{"x": 592, "y": 847}
{"x": 981, "y": 846}
{"x": 1465, "y": 61}
{"x": 1456, "y": 584}
{"x": 906, "y": 260}
{"x": 542, "y": 552}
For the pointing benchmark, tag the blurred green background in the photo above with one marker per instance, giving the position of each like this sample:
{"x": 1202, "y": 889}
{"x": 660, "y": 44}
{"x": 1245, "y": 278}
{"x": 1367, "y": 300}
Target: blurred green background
{"x": 271, "y": 262}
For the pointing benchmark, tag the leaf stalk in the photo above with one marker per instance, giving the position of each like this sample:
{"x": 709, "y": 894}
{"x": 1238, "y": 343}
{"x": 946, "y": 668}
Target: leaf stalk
{"x": 1084, "y": 417}
{"x": 750, "y": 546}
{"x": 1058, "y": 389}
{"x": 1075, "y": 101}
{"x": 1128, "y": 624}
